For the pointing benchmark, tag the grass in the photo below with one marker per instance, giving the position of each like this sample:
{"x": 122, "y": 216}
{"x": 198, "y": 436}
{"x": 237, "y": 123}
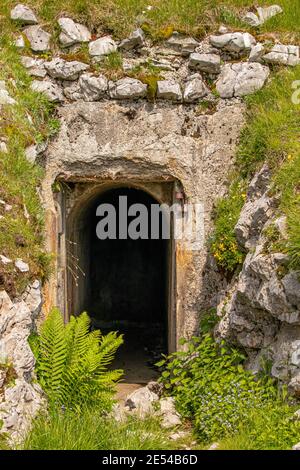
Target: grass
{"x": 270, "y": 429}
{"x": 196, "y": 17}
{"x": 28, "y": 122}
{"x": 91, "y": 431}
{"x": 272, "y": 135}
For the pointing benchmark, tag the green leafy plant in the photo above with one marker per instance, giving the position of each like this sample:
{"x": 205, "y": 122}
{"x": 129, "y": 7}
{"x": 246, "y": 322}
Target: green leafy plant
{"x": 212, "y": 388}
{"x": 72, "y": 362}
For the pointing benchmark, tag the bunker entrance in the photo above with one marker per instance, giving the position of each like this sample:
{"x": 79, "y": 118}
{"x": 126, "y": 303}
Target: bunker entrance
{"x": 124, "y": 281}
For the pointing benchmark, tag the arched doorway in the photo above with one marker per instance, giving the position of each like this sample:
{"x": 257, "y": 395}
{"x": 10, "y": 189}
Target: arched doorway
{"x": 123, "y": 283}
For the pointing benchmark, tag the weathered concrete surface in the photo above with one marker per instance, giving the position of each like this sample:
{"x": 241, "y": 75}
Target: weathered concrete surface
{"x": 141, "y": 143}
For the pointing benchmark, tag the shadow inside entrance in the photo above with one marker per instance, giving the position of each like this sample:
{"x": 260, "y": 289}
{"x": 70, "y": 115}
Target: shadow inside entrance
{"x": 128, "y": 288}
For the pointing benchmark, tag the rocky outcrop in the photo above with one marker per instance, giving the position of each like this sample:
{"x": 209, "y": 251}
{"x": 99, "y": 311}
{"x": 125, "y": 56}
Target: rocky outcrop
{"x": 261, "y": 310}
{"x": 147, "y": 401}
{"x": 20, "y": 397}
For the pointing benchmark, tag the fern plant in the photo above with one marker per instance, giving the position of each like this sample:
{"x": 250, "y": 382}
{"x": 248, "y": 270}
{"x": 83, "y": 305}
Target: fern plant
{"x": 72, "y": 362}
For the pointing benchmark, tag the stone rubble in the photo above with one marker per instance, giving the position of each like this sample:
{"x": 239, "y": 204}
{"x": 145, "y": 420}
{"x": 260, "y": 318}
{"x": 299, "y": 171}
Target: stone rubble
{"x": 194, "y": 89}
{"x": 144, "y": 402}
{"x": 39, "y": 38}
{"x": 208, "y": 63}
{"x": 102, "y": 47}
{"x": 169, "y": 90}
{"x": 23, "y": 14}
{"x": 241, "y": 79}
{"x": 135, "y": 40}
{"x": 20, "y": 401}
{"x": 5, "y": 97}
{"x": 239, "y": 43}
{"x": 283, "y": 55}
{"x": 127, "y": 88}
{"x": 263, "y": 15}
{"x": 64, "y": 70}
{"x": 51, "y": 90}
{"x": 72, "y": 33}
{"x": 93, "y": 88}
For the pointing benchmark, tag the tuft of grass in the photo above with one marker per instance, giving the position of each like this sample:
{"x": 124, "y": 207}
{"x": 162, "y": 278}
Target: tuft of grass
{"x": 112, "y": 66}
{"x": 89, "y": 430}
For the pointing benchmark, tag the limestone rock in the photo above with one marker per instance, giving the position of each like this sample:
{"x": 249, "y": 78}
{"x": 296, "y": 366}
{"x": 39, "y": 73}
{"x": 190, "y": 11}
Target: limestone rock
{"x": 252, "y": 219}
{"x": 294, "y": 386}
{"x": 60, "y": 68}
{"x": 283, "y": 55}
{"x": 241, "y": 79}
{"x": 93, "y": 88}
{"x": 257, "y": 52}
{"x": 33, "y": 298}
{"x": 72, "y": 90}
{"x": 181, "y": 44}
{"x": 35, "y": 67}
{"x": 135, "y": 40}
{"x": 4, "y": 260}
{"x": 5, "y": 97}
{"x": 170, "y": 417}
{"x": 291, "y": 284}
{"x": 72, "y": 33}
{"x": 38, "y": 38}
{"x": 194, "y": 89}
{"x": 102, "y": 47}
{"x": 3, "y": 147}
{"x": 239, "y": 43}
{"x": 49, "y": 89}
{"x": 251, "y": 19}
{"x": 208, "y": 63}
{"x": 260, "y": 183}
{"x": 21, "y": 266}
{"x": 127, "y": 88}
{"x": 296, "y": 446}
{"x": 169, "y": 90}
{"x": 19, "y": 42}
{"x": 141, "y": 401}
{"x": 23, "y": 14}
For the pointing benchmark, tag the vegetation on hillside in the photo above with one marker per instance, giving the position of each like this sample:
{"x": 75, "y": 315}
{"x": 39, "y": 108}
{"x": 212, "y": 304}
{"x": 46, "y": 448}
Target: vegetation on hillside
{"x": 271, "y": 135}
{"x": 225, "y": 402}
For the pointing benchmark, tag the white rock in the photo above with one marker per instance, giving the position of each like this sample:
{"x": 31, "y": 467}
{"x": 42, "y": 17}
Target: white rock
{"x": 5, "y": 97}
{"x": 170, "y": 417}
{"x": 3, "y": 147}
{"x": 72, "y": 90}
{"x": 19, "y": 42}
{"x": 251, "y": 19}
{"x": 257, "y": 52}
{"x": 49, "y": 89}
{"x": 33, "y": 299}
{"x": 72, "y": 33}
{"x": 283, "y": 55}
{"x": 209, "y": 63}
{"x": 233, "y": 42}
{"x": 23, "y": 14}
{"x": 127, "y": 88}
{"x": 60, "y": 68}
{"x": 102, "y": 46}
{"x": 135, "y": 40}
{"x": 34, "y": 66}
{"x": 169, "y": 90}
{"x": 265, "y": 13}
{"x": 21, "y": 266}
{"x": 194, "y": 89}
{"x": 241, "y": 79}
{"x": 223, "y": 29}
{"x": 296, "y": 446}
{"x": 93, "y": 88}
{"x": 38, "y": 38}
{"x": 5, "y": 260}
{"x": 31, "y": 153}
{"x": 181, "y": 44}
{"x": 141, "y": 401}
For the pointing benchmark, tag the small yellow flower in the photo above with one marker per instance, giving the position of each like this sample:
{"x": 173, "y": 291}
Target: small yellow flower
{"x": 290, "y": 157}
